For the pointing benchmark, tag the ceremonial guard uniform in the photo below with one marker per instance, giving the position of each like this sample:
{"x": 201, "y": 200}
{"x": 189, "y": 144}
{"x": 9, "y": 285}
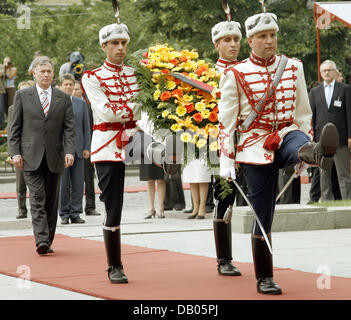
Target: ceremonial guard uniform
{"x": 279, "y": 134}
{"x": 116, "y": 140}
{"x": 223, "y": 229}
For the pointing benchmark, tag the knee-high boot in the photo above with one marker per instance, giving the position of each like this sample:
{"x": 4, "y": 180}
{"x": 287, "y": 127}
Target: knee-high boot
{"x": 115, "y": 271}
{"x": 263, "y": 264}
{"x": 223, "y": 240}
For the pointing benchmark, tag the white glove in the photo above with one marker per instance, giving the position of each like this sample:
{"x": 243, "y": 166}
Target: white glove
{"x": 300, "y": 167}
{"x": 227, "y": 172}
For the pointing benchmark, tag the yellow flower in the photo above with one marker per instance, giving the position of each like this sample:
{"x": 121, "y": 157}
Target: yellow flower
{"x": 194, "y": 139}
{"x": 181, "y": 111}
{"x": 205, "y": 113}
{"x": 211, "y": 73}
{"x": 165, "y": 114}
{"x": 213, "y": 84}
{"x": 157, "y": 94}
{"x": 176, "y": 127}
{"x": 185, "y": 137}
{"x": 187, "y": 98}
{"x": 204, "y": 79}
{"x": 161, "y": 106}
{"x": 212, "y": 131}
{"x": 171, "y": 85}
{"x": 199, "y": 106}
{"x": 213, "y": 146}
{"x": 202, "y": 132}
{"x": 201, "y": 143}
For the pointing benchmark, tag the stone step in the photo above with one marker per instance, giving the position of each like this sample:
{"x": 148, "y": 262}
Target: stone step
{"x": 295, "y": 218}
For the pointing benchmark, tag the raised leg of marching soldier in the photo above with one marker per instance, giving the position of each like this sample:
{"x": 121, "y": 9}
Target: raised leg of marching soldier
{"x": 263, "y": 182}
{"x": 223, "y": 232}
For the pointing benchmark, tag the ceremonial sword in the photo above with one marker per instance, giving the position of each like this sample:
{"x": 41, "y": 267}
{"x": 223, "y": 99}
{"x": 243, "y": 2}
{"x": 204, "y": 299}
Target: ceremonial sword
{"x": 299, "y": 168}
{"x": 254, "y": 215}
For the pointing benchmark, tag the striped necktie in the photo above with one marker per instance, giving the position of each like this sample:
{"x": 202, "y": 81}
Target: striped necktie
{"x": 45, "y": 102}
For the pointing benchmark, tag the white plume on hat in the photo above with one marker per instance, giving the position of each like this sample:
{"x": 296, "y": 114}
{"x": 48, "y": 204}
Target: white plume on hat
{"x": 113, "y": 31}
{"x": 225, "y": 28}
{"x": 261, "y": 22}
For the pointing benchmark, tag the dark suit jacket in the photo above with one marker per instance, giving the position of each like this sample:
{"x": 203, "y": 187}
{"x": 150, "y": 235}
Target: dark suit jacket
{"x": 32, "y": 134}
{"x": 340, "y": 116}
{"x": 82, "y": 125}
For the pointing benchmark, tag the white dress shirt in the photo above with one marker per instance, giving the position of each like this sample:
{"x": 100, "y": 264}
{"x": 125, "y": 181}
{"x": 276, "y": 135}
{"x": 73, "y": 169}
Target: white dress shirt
{"x": 328, "y": 90}
{"x": 49, "y": 93}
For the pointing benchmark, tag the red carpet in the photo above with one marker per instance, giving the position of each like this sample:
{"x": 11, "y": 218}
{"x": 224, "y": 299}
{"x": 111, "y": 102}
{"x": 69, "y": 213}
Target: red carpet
{"x": 79, "y": 265}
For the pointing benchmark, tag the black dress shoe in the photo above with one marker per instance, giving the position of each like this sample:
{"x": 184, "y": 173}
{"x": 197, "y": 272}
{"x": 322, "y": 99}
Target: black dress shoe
{"x": 226, "y": 268}
{"x": 116, "y": 274}
{"x": 268, "y": 286}
{"x": 77, "y": 220}
{"x": 50, "y": 250}
{"x": 200, "y": 217}
{"x": 193, "y": 216}
{"x": 91, "y": 212}
{"x": 65, "y": 221}
{"x": 42, "y": 248}
{"x": 22, "y": 215}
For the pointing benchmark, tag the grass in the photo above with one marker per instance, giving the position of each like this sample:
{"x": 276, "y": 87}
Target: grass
{"x": 334, "y": 203}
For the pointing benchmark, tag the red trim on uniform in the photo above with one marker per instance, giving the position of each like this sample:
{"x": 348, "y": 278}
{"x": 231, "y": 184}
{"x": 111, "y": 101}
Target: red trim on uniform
{"x": 260, "y": 61}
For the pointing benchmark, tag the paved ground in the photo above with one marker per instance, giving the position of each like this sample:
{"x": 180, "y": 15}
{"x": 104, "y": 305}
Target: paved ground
{"x": 324, "y": 251}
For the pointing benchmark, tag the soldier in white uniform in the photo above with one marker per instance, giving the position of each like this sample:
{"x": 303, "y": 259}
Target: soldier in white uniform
{"x": 116, "y": 138}
{"x": 278, "y": 136}
{"x": 226, "y": 36}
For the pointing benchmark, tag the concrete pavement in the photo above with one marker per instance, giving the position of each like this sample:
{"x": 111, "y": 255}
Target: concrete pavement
{"x": 319, "y": 251}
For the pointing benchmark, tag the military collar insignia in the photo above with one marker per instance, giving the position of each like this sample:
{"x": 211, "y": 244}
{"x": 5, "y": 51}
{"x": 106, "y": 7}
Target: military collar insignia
{"x": 260, "y": 61}
{"x": 113, "y": 67}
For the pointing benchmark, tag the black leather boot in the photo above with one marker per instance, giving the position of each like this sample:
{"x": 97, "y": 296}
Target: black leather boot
{"x": 263, "y": 264}
{"x": 115, "y": 271}
{"x": 167, "y": 156}
{"x": 223, "y": 241}
{"x": 321, "y": 154}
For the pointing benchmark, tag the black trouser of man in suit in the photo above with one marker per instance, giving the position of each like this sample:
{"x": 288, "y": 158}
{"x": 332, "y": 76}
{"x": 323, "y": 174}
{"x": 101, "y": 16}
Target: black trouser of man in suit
{"x": 21, "y": 190}
{"x": 43, "y": 188}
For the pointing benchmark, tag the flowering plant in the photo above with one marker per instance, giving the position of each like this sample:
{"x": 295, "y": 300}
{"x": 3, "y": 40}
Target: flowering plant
{"x": 173, "y": 104}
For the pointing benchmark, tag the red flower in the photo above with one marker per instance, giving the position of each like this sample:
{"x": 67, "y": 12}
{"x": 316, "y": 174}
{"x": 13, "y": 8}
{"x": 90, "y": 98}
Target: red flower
{"x": 175, "y": 62}
{"x": 177, "y": 92}
{"x": 201, "y": 70}
{"x": 145, "y": 54}
{"x": 215, "y": 109}
{"x": 213, "y": 117}
{"x": 189, "y": 108}
{"x": 198, "y": 117}
{"x": 183, "y": 59}
{"x": 166, "y": 95}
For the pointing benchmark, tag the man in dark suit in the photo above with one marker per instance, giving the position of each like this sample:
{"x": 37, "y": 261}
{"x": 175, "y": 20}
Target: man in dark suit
{"x": 42, "y": 143}
{"x": 331, "y": 102}
{"x": 72, "y": 182}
